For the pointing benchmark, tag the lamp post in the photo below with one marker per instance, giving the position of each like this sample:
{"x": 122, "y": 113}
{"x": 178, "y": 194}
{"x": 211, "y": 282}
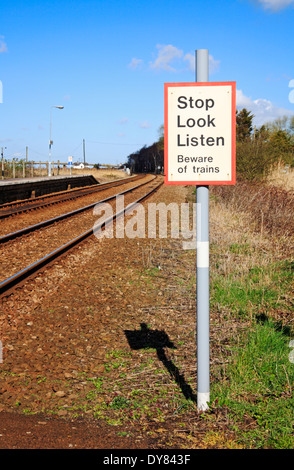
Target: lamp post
{"x": 50, "y": 141}
{"x": 2, "y": 162}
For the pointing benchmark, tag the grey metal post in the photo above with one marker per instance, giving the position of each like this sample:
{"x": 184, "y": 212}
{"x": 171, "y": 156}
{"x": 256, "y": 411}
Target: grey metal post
{"x": 202, "y": 267}
{"x": 2, "y": 163}
{"x": 50, "y": 141}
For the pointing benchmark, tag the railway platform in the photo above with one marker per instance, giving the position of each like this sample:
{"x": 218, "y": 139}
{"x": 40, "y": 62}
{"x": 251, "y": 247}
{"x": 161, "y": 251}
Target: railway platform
{"x": 25, "y": 188}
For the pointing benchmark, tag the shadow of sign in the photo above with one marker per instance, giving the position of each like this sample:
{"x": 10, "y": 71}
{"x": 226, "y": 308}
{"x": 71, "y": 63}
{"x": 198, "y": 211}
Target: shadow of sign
{"x": 158, "y": 339}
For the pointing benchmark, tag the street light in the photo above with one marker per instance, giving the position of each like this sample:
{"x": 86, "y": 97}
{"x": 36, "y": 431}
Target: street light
{"x": 50, "y": 141}
{"x": 2, "y": 163}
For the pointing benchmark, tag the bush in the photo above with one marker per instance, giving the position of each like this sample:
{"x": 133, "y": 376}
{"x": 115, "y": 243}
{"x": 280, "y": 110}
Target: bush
{"x": 257, "y": 153}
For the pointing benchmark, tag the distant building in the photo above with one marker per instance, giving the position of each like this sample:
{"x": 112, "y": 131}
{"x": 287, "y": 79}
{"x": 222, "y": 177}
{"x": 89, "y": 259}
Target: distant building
{"x": 80, "y": 165}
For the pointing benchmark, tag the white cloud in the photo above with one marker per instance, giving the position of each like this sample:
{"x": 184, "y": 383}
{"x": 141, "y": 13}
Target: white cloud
{"x": 123, "y": 120}
{"x": 172, "y": 59}
{"x": 145, "y": 125}
{"x": 190, "y": 58}
{"x": 166, "y": 55}
{"x": 291, "y": 94}
{"x": 3, "y": 45}
{"x": 264, "y": 110}
{"x": 242, "y": 101}
{"x": 135, "y": 63}
{"x": 275, "y": 5}
{"x": 169, "y": 53}
{"x": 213, "y": 64}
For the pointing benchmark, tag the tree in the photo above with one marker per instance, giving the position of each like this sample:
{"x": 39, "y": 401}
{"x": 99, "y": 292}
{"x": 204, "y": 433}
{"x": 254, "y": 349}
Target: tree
{"x": 262, "y": 133}
{"x": 147, "y": 159}
{"x": 243, "y": 125}
{"x": 161, "y": 137}
{"x": 281, "y": 138}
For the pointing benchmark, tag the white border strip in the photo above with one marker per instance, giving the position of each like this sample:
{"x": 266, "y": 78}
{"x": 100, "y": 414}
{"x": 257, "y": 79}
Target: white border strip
{"x": 202, "y": 254}
{"x": 203, "y": 400}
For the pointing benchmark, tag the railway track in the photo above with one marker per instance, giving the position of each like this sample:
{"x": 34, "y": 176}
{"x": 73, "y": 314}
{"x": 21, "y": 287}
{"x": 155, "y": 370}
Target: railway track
{"x": 32, "y": 217}
{"x": 45, "y": 223}
{"x": 16, "y": 207}
{"x": 18, "y": 242}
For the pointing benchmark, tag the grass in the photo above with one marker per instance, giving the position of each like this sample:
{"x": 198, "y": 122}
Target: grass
{"x": 283, "y": 177}
{"x": 261, "y": 288}
{"x": 252, "y": 285}
{"x": 258, "y": 384}
{"x": 251, "y": 288}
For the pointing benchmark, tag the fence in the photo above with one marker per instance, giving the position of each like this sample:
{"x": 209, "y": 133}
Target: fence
{"x": 22, "y": 169}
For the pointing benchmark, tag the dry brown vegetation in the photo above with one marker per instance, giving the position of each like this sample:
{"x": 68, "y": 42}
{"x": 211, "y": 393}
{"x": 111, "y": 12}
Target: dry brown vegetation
{"x": 271, "y": 205}
{"x": 100, "y": 174}
{"x": 282, "y": 177}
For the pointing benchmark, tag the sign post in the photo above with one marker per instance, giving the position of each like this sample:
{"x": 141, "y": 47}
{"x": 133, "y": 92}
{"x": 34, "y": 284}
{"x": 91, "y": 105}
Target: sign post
{"x": 70, "y": 163}
{"x": 200, "y": 134}
{"x": 202, "y": 267}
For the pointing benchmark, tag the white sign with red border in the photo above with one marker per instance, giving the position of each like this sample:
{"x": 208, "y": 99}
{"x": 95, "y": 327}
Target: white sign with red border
{"x": 200, "y": 133}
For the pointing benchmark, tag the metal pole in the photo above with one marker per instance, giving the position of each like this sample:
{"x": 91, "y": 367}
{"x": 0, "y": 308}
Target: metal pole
{"x": 49, "y": 162}
{"x": 202, "y": 267}
{"x": 2, "y": 162}
{"x": 50, "y": 141}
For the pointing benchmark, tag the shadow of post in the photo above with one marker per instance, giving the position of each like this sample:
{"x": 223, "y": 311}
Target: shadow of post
{"x": 158, "y": 339}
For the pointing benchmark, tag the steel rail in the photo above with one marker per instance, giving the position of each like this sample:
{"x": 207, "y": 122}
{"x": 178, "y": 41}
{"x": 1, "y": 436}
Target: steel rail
{"x": 45, "y": 223}
{"x": 20, "y": 206}
{"x": 12, "y": 282}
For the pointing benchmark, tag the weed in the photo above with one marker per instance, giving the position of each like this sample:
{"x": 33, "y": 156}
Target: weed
{"x": 240, "y": 248}
{"x": 41, "y": 379}
{"x": 123, "y": 434}
{"x": 119, "y": 403}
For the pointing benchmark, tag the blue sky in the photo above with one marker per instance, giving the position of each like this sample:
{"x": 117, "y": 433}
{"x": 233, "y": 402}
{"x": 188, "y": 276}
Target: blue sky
{"x": 106, "y": 62}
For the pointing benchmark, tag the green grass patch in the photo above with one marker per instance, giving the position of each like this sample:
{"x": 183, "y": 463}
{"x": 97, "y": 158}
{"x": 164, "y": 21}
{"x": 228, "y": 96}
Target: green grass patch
{"x": 240, "y": 248}
{"x": 260, "y": 288}
{"x": 258, "y": 384}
